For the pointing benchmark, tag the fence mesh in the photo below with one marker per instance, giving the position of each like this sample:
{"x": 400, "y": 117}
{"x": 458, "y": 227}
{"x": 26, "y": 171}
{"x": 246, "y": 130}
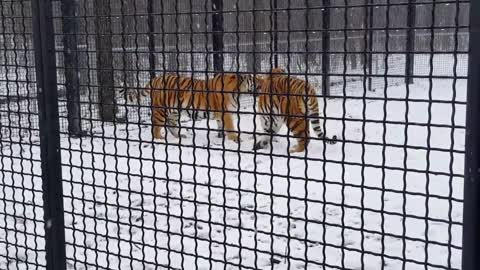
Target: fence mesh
{"x": 379, "y": 184}
{"x": 22, "y": 242}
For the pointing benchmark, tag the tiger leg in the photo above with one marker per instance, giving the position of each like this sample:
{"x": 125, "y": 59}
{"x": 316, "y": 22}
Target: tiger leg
{"x": 172, "y": 125}
{"x": 300, "y": 129}
{"x": 220, "y": 132}
{"x": 271, "y": 126}
{"x": 229, "y": 127}
{"x": 158, "y": 121}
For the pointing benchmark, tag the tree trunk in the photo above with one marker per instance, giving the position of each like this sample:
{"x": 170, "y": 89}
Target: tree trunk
{"x": 103, "y": 43}
{"x": 70, "y": 58}
{"x": 217, "y": 29}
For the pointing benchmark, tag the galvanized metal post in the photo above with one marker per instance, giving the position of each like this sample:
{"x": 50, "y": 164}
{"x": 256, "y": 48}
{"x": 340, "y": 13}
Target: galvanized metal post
{"x": 217, "y": 28}
{"x": 471, "y": 205}
{"x": 44, "y": 44}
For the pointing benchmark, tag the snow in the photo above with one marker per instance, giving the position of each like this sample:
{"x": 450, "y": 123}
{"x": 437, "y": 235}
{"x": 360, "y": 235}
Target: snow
{"x": 129, "y": 200}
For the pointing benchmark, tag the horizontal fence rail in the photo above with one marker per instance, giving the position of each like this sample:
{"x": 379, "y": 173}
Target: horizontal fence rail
{"x": 252, "y": 134}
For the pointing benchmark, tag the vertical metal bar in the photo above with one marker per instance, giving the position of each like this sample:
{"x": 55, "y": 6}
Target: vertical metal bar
{"x": 471, "y": 204}
{"x": 453, "y": 131}
{"x": 326, "y": 49}
{"x": 44, "y": 44}
{"x": 151, "y": 39}
{"x": 410, "y": 57}
{"x": 344, "y": 125}
{"x": 217, "y": 29}
{"x": 70, "y": 56}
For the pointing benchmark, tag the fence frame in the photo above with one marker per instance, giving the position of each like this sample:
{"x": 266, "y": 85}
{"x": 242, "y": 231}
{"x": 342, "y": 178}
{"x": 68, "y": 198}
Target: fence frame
{"x": 46, "y": 72}
{"x": 471, "y": 203}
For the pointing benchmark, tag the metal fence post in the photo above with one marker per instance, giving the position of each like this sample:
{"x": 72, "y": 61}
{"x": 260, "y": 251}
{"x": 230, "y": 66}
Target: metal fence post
{"x": 217, "y": 29}
{"x": 410, "y": 57}
{"x": 47, "y": 95}
{"x": 326, "y": 49}
{"x": 70, "y": 54}
{"x": 471, "y": 205}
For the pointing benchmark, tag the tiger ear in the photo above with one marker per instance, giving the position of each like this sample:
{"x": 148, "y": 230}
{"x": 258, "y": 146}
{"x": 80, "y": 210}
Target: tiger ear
{"x": 229, "y": 77}
{"x": 259, "y": 80}
{"x": 278, "y": 70}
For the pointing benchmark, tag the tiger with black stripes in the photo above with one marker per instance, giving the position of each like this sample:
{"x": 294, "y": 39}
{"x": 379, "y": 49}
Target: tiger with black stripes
{"x": 281, "y": 100}
{"x": 170, "y": 94}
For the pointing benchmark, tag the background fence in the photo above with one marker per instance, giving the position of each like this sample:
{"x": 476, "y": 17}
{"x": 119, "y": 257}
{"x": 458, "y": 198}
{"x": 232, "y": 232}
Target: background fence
{"x": 392, "y": 83}
{"x": 174, "y": 27}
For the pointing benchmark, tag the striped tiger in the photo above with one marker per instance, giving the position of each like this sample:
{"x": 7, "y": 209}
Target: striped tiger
{"x": 170, "y": 94}
{"x": 279, "y": 108}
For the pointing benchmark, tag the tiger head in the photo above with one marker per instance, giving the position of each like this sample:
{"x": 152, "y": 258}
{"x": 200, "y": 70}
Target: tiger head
{"x": 134, "y": 94}
{"x": 241, "y": 83}
{"x": 131, "y": 95}
{"x": 247, "y": 83}
{"x": 259, "y": 80}
{"x": 277, "y": 71}
{"x": 262, "y": 79}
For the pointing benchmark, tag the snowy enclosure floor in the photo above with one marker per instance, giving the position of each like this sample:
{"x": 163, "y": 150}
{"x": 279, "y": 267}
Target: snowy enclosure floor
{"x": 131, "y": 203}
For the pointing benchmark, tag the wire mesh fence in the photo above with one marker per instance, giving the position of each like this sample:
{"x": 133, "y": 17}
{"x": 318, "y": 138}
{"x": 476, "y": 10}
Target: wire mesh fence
{"x": 219, "y": 134}
{"x": 22, "y": 239}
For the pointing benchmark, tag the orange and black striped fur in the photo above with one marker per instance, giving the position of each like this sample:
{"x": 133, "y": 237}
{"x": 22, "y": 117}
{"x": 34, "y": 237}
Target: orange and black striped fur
{"x": 170, "y": 94}
{"x": 281, "y": 99}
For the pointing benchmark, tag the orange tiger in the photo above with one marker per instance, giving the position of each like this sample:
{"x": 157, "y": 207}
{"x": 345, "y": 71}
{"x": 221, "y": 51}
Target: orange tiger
{"x": 279, "y": 108}
{"x": 170, "y": 94}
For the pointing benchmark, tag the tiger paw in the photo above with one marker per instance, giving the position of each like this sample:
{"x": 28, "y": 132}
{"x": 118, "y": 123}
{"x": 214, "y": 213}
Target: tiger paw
{"x": 234, "y": 137}
{"x": 158, "y": 137}
{"x": 296, "y": 149}
{"x": 237, "y": 140}
{"x": 260, "y": 145}
{"x": 178, "y": 136}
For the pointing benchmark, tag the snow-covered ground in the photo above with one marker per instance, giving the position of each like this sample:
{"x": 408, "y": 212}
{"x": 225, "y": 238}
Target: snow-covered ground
{"x": 131, "y": 203}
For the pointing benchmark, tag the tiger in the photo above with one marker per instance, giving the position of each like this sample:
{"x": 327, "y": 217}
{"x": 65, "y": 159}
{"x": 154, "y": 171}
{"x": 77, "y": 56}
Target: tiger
{"x": 170, "y": 94}
{"x": 277, "y": 108}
